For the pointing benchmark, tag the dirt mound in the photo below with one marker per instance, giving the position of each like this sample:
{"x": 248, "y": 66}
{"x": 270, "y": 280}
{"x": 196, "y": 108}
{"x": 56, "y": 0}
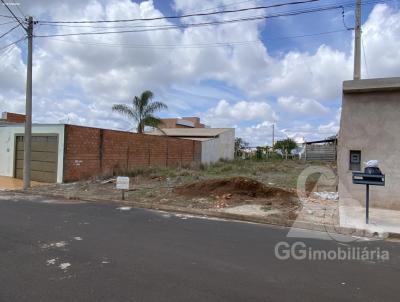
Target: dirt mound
{"x": 237, "y": 187}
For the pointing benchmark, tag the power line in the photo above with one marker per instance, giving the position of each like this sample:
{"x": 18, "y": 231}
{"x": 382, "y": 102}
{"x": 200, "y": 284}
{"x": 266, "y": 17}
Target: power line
{"x": 195, "y": 24}
{"x": 178, "y": 26}
{"x": 187, "y": 15}
{"x": 344, "y": 4}
{"x": 221, "y": 6}
{"x": 157, "y": 46}
{"x": 344, "y": 20}
{"x": 10, "y": 17}
{"x": 199, "y": 45}
{"x": 9, "y": 22}
{"x": 109, "y": 27}
{"x": 12, "y": 13}
{"x": 365, "y": 57}
{"x": 10, "y": 30}
{"x": 19, "y": 9}
{"x": 6, "y": 52}
{"x": 10, "y": 44}
{"x": 5, "y": 16}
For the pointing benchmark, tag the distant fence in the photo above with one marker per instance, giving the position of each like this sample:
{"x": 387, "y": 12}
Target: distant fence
{"x": 325, "y": 152}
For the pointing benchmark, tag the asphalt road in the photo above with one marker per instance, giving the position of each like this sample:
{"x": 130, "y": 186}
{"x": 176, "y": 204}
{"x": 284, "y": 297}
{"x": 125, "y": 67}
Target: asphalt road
{"x": 141, "y": 255}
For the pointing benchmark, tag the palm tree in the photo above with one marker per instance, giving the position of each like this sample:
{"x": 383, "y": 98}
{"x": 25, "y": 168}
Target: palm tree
{"x": 142, "y": 111}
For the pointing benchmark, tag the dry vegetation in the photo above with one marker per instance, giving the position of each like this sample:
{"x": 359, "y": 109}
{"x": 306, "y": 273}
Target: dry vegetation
{"x": 228, "y": 183}
{"x": 280, "y": 173}
{"x": 243, "y": 187}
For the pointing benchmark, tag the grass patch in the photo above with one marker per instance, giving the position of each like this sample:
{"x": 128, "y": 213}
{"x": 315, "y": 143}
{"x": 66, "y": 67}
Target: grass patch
{"x": 281, "y": 173}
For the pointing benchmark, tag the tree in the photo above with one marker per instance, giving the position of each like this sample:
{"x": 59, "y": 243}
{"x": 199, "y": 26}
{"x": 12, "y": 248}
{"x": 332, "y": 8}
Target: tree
{"x": 142, "y": 111}
{"x": 285, "y": 146}
{"x": 240, "y": 144}
{"x": 262, "y": 152}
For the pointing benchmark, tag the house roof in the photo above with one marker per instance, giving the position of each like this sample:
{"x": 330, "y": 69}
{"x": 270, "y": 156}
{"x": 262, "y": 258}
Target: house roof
{"x": 371, "y": 85}
{"x": 191, "y": 132}
{"x": 200, "y": 139}
{"x": 8, "y": 124}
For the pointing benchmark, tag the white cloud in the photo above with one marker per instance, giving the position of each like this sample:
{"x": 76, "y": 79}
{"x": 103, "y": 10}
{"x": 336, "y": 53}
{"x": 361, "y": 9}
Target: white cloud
{"x": 258, "y": 135}
{"x": 12, "y": 71}
{"x": 225, "y": 114}
{"x": 317, "y": 76}
{"x": 261, "y": 133}
{"x": 331, "y": 127}
{"x": 302, "y": 106}
{"x": 80, "y": 82}
{"x": 381, "y": 36}
{"x": 243, "y": 110}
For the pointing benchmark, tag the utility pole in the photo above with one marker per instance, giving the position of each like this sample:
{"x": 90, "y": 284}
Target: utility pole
{"x": 28, "y": 110}
{"x": 357, "y": 42}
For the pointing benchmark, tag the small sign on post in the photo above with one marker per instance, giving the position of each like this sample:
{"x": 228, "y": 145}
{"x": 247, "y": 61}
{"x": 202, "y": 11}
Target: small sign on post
{"x": 123, "y": 185}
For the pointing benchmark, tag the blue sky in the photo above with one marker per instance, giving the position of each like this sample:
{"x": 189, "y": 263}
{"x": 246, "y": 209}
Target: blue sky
{"x": 262, "y": 75}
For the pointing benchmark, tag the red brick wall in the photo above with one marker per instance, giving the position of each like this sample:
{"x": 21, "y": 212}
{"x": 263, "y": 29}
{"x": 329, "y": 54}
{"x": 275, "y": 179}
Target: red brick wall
{"x": 168, "y": 123}
{"x": 91, "y": 152}
{"x": 195, "y": 121}
{"x": 81, "y": 153}
{"x": 14, "y": 117}
{"x": 172, "y": 123}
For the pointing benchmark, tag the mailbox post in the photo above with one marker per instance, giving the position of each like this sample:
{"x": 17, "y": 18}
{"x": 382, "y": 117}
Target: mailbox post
{"x": 367, "y": 179}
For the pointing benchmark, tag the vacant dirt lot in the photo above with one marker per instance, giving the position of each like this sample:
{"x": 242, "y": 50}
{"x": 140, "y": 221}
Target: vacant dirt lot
{"x": 242, "y": 185}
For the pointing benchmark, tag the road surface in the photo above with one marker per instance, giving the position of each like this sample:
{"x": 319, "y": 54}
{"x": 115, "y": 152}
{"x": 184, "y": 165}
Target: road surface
{"x": 52, "y": 250}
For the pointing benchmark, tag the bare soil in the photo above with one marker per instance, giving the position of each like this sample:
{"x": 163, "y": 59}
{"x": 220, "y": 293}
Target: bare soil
{"x": 270, "y": 185}
{"x": 239, "y": 190}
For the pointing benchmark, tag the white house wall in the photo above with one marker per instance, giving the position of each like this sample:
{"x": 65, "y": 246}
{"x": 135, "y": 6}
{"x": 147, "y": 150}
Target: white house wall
{"x": 7, "y": 146}
{"x": 222, "y": 147}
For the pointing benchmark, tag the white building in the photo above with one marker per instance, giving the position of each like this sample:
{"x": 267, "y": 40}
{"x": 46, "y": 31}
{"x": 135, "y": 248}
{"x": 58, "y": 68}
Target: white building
{"x": 216, "y": 143}
{"x": 47, "y": 151}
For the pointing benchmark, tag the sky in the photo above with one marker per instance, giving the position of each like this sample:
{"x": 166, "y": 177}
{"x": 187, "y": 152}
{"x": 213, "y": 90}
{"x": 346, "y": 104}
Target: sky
{"x": 286, "y": 71}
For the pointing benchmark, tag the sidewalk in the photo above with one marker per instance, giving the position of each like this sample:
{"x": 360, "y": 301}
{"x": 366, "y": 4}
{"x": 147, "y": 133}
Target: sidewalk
{"x": 9, "y": 183}
{"x": 380, "y": 220}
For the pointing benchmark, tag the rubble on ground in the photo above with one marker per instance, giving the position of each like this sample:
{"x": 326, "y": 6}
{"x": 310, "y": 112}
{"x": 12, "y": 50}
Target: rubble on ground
{"x": 327, "y": 195}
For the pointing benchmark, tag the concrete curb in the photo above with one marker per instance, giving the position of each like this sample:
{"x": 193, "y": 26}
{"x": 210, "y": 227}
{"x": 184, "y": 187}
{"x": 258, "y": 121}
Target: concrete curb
{"x": 273, "y": 220}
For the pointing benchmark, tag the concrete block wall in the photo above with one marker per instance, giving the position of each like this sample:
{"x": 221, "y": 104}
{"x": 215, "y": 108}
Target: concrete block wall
{"x": 90, "y": 152}
{"x": 370, "y": 123}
